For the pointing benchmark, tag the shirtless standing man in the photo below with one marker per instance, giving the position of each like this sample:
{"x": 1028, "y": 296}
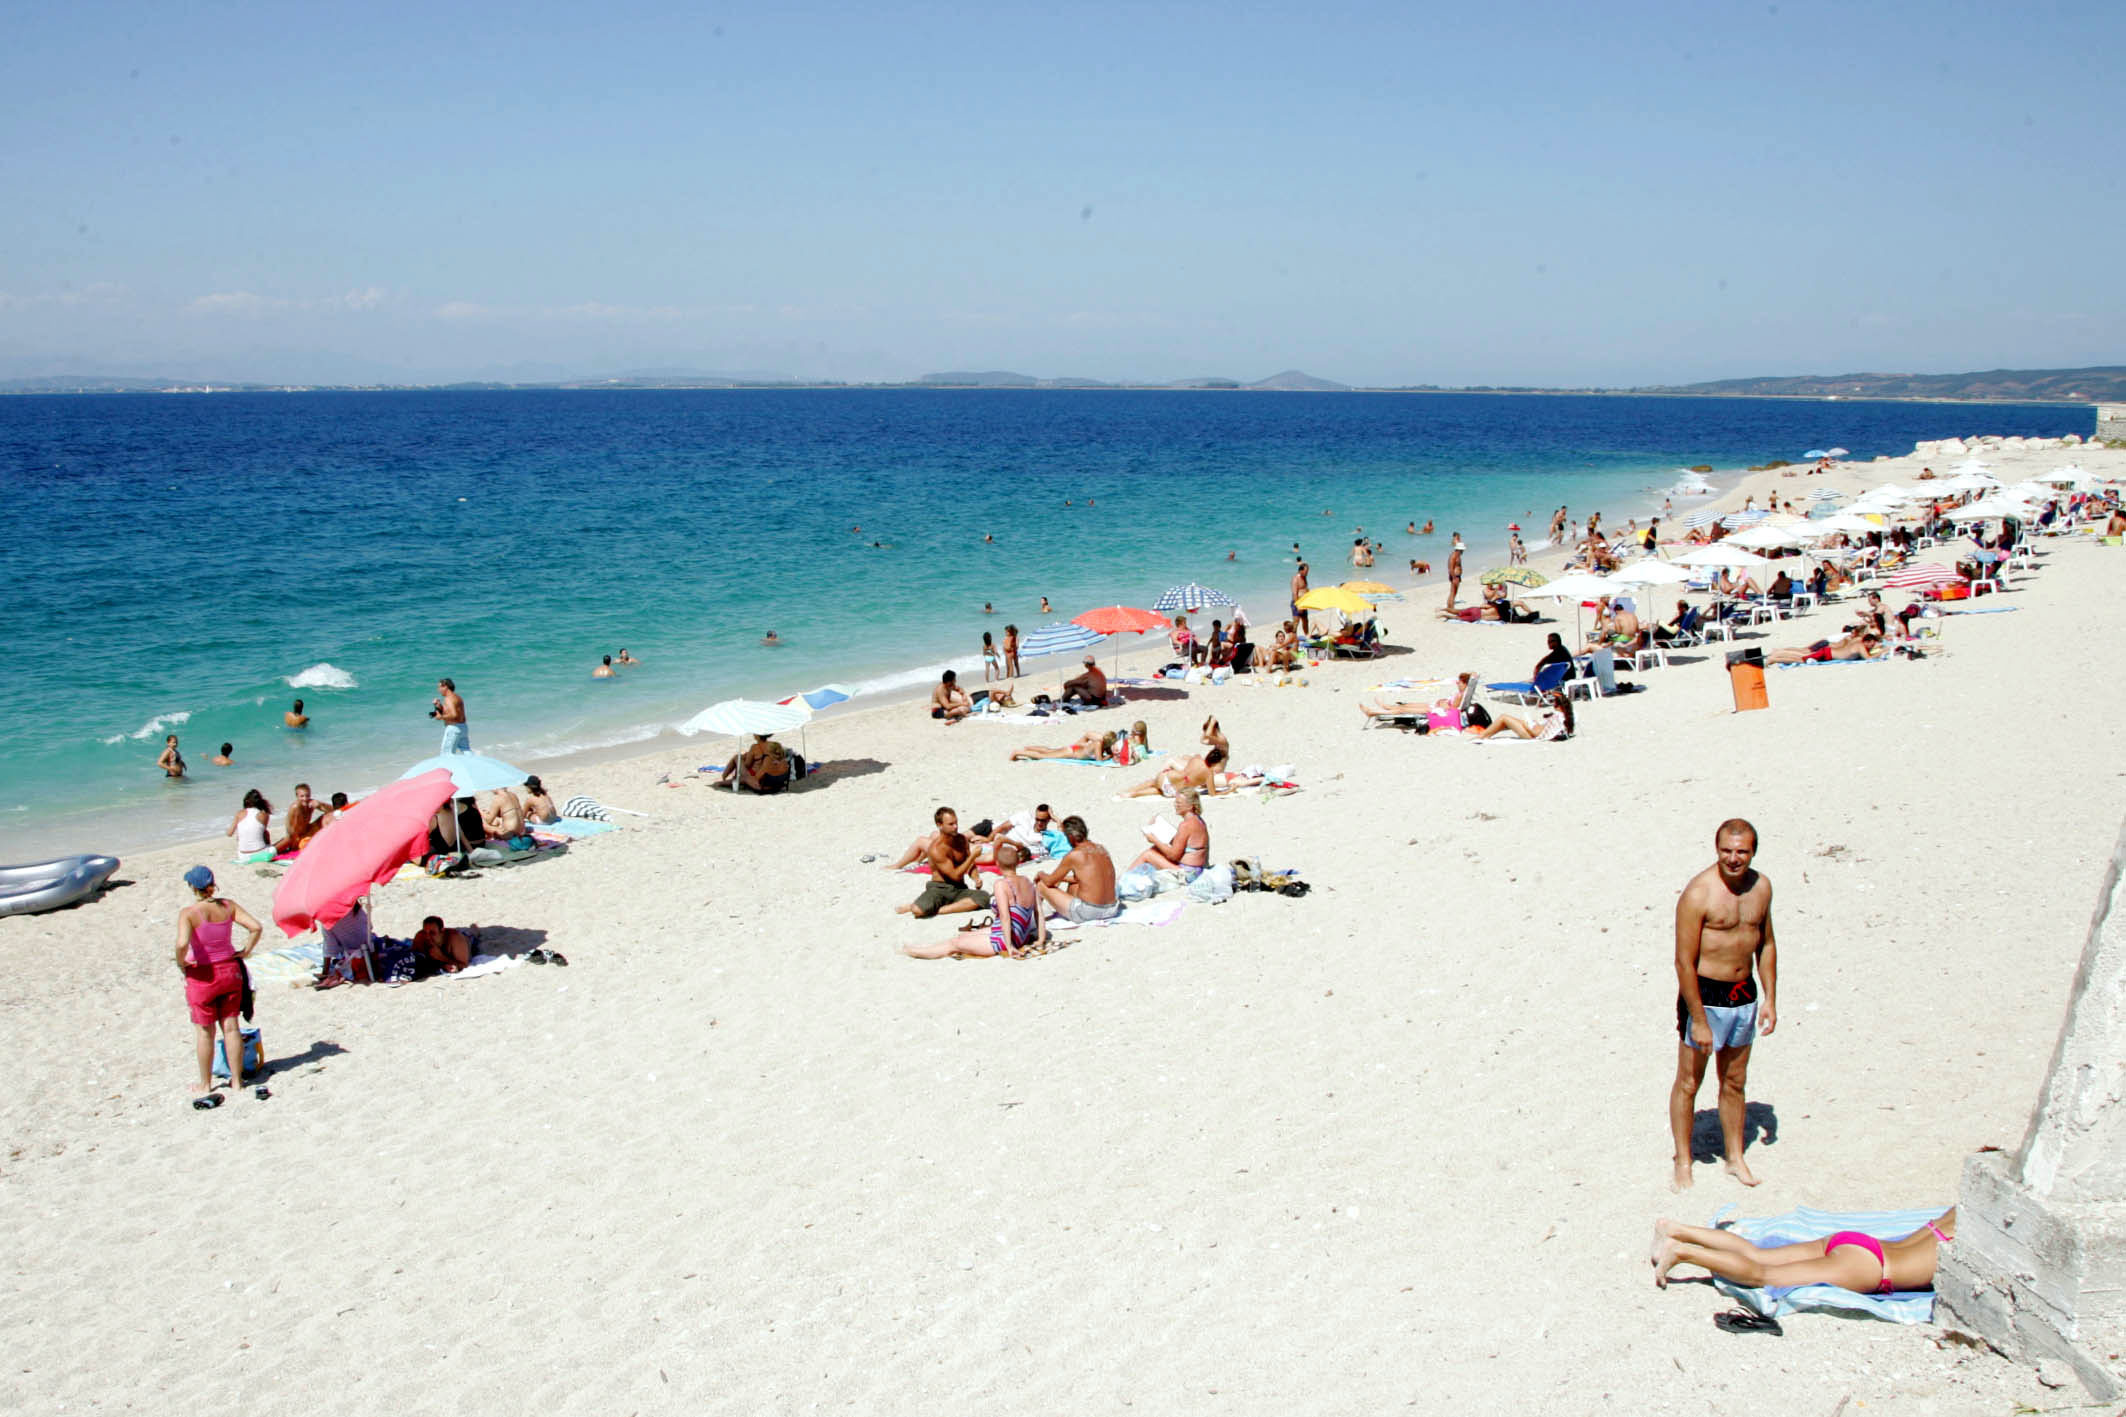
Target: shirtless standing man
{"x": 1299, "y": 590}
{"x": 1454, "y": 571}
{"x": 449, "y": 709}
{"x": 1723, "y": 938}
{"x": 1082, "y": 887}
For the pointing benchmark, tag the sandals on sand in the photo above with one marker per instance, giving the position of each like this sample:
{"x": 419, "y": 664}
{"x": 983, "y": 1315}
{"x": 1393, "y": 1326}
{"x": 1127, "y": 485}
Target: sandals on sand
{"x": 208, "y": 1103}
{"x": 1747, "y": 1321}
{"x": 547, "y": 957}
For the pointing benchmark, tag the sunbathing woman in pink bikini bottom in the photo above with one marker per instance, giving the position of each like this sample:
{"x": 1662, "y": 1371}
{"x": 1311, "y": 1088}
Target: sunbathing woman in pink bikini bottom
{"x": 1848, "y": 1259}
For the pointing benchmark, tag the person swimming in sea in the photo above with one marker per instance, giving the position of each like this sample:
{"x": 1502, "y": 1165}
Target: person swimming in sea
{"x": 226, "y": 757}
{"x": 771, "y": 638}
{"x": 172, "y": 762}
{"x": 625, "y": 658}
{"x": 1044, "y": 606}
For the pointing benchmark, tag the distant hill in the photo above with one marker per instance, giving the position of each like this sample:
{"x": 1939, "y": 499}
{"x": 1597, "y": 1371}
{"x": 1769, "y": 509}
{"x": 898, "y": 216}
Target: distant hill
{"x": 2103, "y": 384}
{"x": 86, "y": 384}
{"x": 1292, "y": 381}
{"x": 988, "y": 379}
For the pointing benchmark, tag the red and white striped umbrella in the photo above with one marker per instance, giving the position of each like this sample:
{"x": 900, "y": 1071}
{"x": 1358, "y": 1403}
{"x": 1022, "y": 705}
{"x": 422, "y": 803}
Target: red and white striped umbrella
{"x": 1920, "y": 577}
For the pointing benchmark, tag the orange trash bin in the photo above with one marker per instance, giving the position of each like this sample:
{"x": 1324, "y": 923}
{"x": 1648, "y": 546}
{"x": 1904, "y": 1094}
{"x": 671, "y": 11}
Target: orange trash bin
{"x": 1745, "y": 675}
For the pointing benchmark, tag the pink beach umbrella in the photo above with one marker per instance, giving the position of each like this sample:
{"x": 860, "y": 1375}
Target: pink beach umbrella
{"x": 1920, "y": 577}
{"x": 362, "y": 849}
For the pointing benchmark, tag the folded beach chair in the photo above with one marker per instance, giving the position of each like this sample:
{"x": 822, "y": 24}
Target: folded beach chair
{"x": 1532, "y": 691}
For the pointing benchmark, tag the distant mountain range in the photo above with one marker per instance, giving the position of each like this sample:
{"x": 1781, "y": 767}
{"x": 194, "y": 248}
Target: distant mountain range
{"x": 2103, "y": 384}
{"x": 1290, "y": 381}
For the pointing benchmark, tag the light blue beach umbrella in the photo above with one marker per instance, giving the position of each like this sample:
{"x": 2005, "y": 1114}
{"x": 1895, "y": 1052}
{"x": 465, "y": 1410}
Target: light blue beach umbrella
{"x": 1059, "y": 638}
{"x": 1837, "y": 453}
{"x": 824, "y": 696}
{"x": 1816, "y": 453}
{"x": 1190, "y": 597}
{"x": 470, "y": 772}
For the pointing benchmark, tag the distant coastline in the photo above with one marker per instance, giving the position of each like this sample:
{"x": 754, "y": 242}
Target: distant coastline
{"x": 2073, "y": 387}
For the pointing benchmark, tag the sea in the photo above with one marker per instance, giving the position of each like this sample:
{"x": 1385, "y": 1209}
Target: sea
{"x": 193, "y": 563}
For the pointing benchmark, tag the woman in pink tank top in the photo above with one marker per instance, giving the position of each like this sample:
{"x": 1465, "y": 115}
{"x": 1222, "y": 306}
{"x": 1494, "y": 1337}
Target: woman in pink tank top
{"x": 213, "y": 971}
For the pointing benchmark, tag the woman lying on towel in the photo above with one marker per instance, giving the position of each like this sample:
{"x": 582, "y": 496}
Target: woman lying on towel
{"x": 1202, "y": 773}
{"x": 1859, "y": 645}
{"x": 1552, "y": 725}
{"x": 1441, "y": 715}
{"x": 1092, "y": 748}
{"x": 1848, "y": 1259}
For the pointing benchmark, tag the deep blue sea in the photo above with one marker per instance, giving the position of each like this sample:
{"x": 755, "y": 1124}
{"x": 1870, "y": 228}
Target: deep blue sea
{"x": 193, "y": 563}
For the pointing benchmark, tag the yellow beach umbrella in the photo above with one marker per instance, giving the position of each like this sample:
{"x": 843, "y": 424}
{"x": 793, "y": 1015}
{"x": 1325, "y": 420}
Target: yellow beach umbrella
{"x": 1337, "y": 598}
{"x": 1367, "y": 588}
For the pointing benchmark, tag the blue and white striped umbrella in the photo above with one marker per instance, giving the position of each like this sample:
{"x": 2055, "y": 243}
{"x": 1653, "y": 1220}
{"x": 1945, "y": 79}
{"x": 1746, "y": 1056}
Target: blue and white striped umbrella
{"x": 1827, "y": 494}
{"x": 1700, "y": 518}
{"x": 1738, "y": 519}
{"x": 1059, "y": 638}
{"x": 1190, "y": 597}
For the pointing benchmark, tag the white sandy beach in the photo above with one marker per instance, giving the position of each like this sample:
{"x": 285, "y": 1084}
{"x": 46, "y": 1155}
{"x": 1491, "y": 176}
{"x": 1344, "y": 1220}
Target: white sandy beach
{"x": 1397, "y": 1144}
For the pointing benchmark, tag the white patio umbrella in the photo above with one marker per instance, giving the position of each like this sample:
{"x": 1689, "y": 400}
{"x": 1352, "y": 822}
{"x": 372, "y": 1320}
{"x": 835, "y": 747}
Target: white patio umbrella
{"x": 1993, "y": 508}
{"x": 1971, "y": 482}
{"x": 738, "y": 718}
{"x": 1576, "y": 586}
{"x": 1650, "y": 572}
{"x": 1765, "y": 535}
{"x": 1849, "y": 522}
{"x": 1723, "y": 553}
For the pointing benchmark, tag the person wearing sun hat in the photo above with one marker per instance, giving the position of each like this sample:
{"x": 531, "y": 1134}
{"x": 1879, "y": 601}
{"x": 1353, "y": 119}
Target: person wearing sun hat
{"x": 213, "y": 971}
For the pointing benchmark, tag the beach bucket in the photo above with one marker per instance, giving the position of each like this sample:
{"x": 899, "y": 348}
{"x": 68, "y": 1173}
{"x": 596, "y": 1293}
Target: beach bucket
{"x": 1745, "y": 675}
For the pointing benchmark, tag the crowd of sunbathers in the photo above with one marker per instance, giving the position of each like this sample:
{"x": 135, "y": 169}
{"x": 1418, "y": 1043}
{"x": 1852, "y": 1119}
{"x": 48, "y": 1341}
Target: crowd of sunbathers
{"x": 1080, "y": 885}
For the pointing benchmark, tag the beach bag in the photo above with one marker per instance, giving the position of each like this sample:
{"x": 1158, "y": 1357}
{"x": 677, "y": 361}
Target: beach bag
{"x": 254, "y": 1054}
{"x": 1212, "y": 886}
{"x": 1137, "y": 883}
{"x": 1477, "y": 717}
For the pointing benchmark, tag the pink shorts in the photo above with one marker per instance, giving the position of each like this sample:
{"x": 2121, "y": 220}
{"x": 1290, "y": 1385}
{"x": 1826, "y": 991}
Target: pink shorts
{"x": 214, "y": 994}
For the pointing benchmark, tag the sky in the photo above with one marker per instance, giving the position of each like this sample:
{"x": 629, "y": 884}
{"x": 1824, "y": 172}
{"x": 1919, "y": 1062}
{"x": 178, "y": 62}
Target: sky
{"x": 1382, "y": 194}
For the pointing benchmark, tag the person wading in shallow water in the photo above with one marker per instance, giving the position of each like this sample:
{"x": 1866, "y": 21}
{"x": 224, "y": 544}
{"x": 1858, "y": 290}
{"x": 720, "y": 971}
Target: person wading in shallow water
{"x": 1724, "y": 947}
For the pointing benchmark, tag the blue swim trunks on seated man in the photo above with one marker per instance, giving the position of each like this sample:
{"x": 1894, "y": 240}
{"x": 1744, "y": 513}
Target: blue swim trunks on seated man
{"x": 1730, "y": 1011}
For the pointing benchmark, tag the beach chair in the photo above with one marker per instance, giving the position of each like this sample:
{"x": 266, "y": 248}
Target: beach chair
{"x": 1597, "y": 676}
{"x": 1366, "y": 646}
{"x": 1532, "y": 691}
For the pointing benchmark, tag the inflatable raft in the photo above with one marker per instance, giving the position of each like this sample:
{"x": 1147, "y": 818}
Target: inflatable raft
{"x": 25, "y": 890}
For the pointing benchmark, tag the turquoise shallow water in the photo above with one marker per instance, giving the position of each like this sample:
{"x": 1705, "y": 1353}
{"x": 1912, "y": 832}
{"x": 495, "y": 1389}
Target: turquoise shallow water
{"x": 190, "y": 564}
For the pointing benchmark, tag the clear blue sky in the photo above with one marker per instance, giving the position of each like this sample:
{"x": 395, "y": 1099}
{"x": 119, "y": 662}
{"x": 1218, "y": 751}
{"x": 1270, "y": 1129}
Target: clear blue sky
{"x": 1377, "y": 193}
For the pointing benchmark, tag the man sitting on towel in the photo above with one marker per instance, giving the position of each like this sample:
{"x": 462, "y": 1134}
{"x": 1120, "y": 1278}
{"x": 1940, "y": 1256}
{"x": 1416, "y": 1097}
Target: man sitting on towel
{"x": 951, "y": 866}
{"x": 948, "y": 700}
{"x": 1088, "y": 688}
{"x": 1082, "y": 887}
